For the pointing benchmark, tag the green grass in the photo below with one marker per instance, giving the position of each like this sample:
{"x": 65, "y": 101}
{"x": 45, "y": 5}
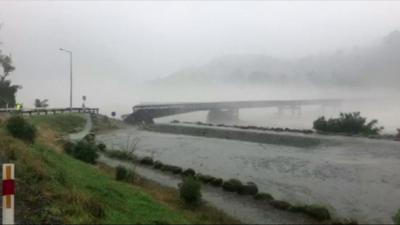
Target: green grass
{"x": 53, "y": 187}
{"x": 56, "y": 188}
{"x": 62, "y": 123}
{"x": 121, "y": 202}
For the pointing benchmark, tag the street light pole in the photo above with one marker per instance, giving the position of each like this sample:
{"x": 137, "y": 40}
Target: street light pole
{"x": 70, "y": 71}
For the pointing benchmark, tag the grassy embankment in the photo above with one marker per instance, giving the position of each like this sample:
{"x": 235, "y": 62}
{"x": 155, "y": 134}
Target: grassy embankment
{"x": 53, "y": 187}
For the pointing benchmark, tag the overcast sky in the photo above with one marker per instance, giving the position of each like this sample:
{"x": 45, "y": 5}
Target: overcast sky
{"x": 118, "y": 44}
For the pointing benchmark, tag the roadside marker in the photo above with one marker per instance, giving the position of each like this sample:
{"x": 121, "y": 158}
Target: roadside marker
{"x": 8, "y": 193}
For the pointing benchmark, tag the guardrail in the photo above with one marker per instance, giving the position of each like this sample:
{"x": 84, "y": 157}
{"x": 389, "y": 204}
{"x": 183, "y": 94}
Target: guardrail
{"x": 45, "y": 111}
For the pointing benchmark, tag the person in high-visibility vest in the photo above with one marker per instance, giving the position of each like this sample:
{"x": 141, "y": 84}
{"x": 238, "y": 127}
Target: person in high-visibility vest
{"x": 18, "y": 106}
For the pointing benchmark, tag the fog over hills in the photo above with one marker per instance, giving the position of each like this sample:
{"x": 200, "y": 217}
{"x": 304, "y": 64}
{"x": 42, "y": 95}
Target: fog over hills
{"x": 373, "y": 66}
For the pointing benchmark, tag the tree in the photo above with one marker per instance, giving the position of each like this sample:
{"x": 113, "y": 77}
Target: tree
{"x": 349, "y": 123}
{"x": 7, "y": 66}
{"x": 7, "y": 91}
{"x": 41, "y": 103}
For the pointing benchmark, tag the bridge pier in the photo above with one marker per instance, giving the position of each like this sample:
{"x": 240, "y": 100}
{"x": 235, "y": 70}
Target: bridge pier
{"x": 295, "y": 110}
{"x": 223, "y": 115}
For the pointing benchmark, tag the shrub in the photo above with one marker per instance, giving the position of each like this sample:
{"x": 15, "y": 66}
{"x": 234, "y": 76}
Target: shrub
{"x": 396, "y": 218}
{"x": 263, "y": 196}
{"x": 248, "y": 189}
{"x": 158, "y": 165}
{"x": 232, "y": 185}
{"x": 205, "y": 178}
{"x": 318, "y": 212}
{"x": 22, "y": 129}
{"x": 280, "y": 204}
{"x": 189, "y": 190}
{"x": 118, "y": 154}
{"x": 123, "y": 174}
{"x": 91, "y": 138}
{"x": 173, "y": 169}
{"x": 217, "y": 182}
{"x": 102, "y": 147}
{"x": 176, "y": 169}
{"x": 315, "y": 211}
{"x": 189, "y": 172}
{"x": 146, "y": 161}
{"x": 120, "y": 172}
{"x": 349, "y": 123}
{"x": 85, "y": 151}
{"x": 69, "y": 147}
{"x": 166, "y": 167}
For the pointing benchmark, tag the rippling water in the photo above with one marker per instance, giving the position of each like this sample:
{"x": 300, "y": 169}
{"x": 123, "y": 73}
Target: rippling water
{"x": 356, "y": 178}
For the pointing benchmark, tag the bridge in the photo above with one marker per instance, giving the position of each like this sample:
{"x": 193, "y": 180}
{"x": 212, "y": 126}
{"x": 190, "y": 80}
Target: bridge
{"x": 217, "y": 111}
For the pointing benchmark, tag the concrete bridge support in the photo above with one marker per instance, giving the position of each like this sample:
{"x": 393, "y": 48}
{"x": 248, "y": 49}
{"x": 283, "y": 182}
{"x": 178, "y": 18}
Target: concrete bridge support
{"x": 223, "y": 116}
{"x": 294, "y": 109}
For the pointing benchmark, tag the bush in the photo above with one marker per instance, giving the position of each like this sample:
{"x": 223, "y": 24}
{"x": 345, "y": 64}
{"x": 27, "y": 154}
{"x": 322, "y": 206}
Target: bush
{"x": 189, "y": 190}
{"x": 248, "y": 189}
{"x": 146, "y": 161}
{"x": 318, "y": 212}
{"x": 122, "y": 174}
{"x": 349, "y": 123}
{"x": 176, "y": 170}
{"x": 217, "y": 182}
{"x": 18, "y": 127}
{"x": 263, "y": 196}
{"x": 102, "y": 147}
{"x": 205, "y": 178}
{"x": 396, "y": 218}
{"x": 85, "y": 151}
{"x": 280, "y": 204}
{"x": 315, "y": 211}
{"x": 232, "y": 185}
{"x": 166, "y": 167}
{"x": 118, "y": 154}
{"x": 91, "y": 138}
{"x": 158, "y": 165}
{"x": 189, "y": 172}
{"x": 69, "y": 147}
{"x": 173, "y": 169}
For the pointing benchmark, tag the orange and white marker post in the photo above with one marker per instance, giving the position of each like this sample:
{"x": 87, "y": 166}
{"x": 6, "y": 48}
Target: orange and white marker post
{"x": 8, "y": 193}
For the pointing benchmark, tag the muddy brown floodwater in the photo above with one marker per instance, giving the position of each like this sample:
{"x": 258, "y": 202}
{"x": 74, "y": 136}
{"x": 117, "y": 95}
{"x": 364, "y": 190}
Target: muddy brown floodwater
{"x": 356, "y": 178}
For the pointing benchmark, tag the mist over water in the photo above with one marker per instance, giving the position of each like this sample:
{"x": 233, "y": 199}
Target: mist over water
{"x": 127, "y": 53}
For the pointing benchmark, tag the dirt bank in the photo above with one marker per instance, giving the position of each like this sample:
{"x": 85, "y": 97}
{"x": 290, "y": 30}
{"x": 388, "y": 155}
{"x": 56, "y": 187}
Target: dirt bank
{"x": 284, "y": 138}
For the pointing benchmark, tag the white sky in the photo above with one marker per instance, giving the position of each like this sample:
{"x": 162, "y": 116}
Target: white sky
{"x": 118, "y": 44}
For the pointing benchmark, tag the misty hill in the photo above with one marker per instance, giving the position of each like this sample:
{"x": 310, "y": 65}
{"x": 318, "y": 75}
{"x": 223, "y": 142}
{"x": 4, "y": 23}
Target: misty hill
{"x": 370, "y": 66}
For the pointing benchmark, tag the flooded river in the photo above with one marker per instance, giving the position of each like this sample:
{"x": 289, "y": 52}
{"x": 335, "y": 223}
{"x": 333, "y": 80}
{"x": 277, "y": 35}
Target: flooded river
{"x": 357, "y": 178}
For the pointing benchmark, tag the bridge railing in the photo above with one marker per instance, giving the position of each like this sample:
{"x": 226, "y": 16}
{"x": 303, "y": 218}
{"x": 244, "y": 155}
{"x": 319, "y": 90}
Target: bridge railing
{"x": 39, "y": 111}
{"x": 238, "y": 104}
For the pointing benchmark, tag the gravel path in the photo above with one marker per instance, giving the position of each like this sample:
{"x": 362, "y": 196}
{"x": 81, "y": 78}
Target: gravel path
{"x": 86, "y": 130}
